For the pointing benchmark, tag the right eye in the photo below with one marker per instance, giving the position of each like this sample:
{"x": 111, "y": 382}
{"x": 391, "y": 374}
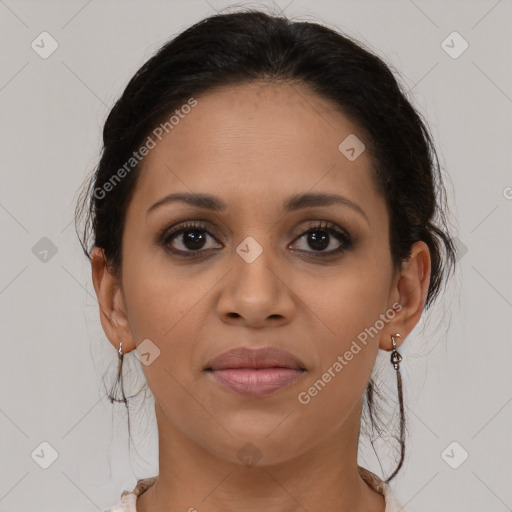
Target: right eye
{"x": 191, "y": 237}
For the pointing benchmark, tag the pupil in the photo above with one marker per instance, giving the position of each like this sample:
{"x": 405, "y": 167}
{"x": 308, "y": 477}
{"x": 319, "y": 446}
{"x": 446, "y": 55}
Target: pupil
{"x": 190, "y": 240}
{"x": 322, "y": 239}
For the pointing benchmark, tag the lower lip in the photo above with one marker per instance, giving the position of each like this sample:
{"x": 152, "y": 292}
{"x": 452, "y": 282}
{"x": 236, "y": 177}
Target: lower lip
{"x": 256, "y": 382}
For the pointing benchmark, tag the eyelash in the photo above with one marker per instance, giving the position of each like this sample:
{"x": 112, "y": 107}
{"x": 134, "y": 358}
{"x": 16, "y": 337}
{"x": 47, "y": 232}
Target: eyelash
{"x": 166, "y": 236}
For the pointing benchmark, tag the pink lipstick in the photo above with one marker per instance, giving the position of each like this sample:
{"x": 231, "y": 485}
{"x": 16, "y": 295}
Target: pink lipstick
{"x": 255, "y": 372}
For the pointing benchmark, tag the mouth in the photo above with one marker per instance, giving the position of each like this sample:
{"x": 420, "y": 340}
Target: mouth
{"x": 255, "y": 372}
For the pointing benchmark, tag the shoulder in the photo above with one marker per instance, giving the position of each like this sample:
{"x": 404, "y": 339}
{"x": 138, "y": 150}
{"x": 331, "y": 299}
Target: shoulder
{"x": 392, "y": 504}
{"x": 128, "y": 501}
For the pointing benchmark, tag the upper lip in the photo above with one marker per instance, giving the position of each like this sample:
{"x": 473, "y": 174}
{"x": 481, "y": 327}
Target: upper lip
{"x": 265, "y": 357}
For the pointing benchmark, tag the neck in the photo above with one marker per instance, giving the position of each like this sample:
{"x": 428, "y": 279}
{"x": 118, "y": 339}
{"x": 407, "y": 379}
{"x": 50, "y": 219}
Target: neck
{"x": 193, "y": 477}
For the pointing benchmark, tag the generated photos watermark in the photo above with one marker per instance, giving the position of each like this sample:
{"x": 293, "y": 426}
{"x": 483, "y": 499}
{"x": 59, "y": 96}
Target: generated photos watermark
{"x": 305, "y": 397}
{"x": 149, "y": 144}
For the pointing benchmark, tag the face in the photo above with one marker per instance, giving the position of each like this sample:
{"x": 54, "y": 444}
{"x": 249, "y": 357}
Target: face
{"x": 263, "y": 271}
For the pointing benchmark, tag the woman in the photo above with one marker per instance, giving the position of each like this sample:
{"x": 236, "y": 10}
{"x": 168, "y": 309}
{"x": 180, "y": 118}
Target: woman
{"x": 266, "y": 215}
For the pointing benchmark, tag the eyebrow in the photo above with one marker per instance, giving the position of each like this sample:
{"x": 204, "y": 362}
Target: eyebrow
{"x": 293, "y": 203}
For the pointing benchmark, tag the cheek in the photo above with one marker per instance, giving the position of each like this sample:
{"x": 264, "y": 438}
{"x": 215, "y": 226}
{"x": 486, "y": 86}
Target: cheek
{"x": 156, "y": 299}
{"x": 346, "y": 354}
{"x": 347, "y": 313}
{"x": 168, "y": 310}
{"x": 346, "y": 303}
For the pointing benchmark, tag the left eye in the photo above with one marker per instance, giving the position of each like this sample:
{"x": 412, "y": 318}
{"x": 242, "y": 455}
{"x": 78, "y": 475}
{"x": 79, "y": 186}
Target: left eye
{"x": 320, "y": 238}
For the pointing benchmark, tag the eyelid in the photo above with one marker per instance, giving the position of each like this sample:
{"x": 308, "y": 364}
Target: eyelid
{"x": 202, "y": 223}
{"x": 321, "y": 224}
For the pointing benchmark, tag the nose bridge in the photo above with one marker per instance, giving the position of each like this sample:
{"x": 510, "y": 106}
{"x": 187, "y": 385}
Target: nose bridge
{"x": 257, "y": 238}
{"x": 255, "y": 264}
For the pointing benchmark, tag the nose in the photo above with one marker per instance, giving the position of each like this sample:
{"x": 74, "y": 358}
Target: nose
{"x": 256, "y": 294}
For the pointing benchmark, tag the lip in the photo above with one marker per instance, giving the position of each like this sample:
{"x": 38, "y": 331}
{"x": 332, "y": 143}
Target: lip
{"x": 265, "y": 357}
{"x": 255, "y": 372}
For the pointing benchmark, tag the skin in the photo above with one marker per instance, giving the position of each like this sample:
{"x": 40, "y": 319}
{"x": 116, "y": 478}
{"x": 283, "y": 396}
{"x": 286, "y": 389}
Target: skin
{"x": 253, "y": 146}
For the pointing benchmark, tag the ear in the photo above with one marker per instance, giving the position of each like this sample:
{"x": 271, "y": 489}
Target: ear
{"x": 410, "y": 287}
{"x": 114, "y": 319}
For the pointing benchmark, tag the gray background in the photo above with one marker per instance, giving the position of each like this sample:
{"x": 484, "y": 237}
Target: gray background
{"x": 456, "y": 366}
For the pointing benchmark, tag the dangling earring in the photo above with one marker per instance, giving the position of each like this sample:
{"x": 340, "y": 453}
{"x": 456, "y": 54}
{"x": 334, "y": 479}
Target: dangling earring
{"x": 396, "y": 358}
{"x": 112, "y": 395}
{"x": 120, "y": 367}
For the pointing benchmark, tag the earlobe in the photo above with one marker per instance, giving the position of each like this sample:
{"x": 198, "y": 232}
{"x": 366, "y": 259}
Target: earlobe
{"x": 111, "y": 304}
{"x": 411, "y": 288}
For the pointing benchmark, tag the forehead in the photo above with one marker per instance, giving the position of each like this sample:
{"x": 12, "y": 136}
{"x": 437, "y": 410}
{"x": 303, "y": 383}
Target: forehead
{"x": 253, "y": 142}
